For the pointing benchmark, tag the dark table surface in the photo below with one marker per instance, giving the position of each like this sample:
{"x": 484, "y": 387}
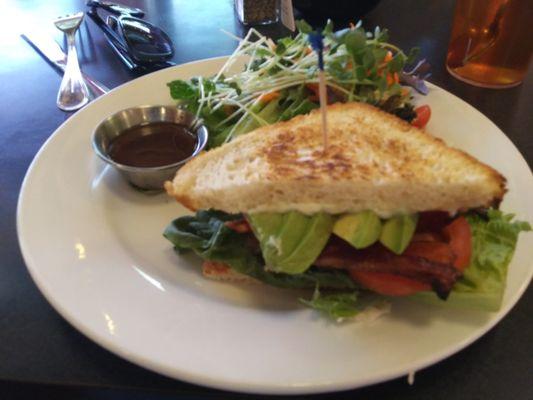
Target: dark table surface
{"x": 40, "y": 351}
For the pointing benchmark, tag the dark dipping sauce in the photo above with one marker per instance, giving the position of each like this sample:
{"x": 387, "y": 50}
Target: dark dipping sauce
{"x": 152, "y": 145}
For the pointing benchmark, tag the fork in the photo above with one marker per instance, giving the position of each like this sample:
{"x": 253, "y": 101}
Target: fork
{"x": 73, "y": 93}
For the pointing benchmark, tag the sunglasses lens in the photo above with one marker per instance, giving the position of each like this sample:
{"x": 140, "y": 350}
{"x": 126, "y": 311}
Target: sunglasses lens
{"x": 146, "y": 39}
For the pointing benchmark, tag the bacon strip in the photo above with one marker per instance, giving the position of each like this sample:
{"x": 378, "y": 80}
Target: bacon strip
{"x": 428, "y": 259}
{"x": 432, "y": 221}
{"x": 440, "y": 275}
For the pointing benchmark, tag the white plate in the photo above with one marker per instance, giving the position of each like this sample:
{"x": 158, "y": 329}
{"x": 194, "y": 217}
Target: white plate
{"x": 94, "y": 247}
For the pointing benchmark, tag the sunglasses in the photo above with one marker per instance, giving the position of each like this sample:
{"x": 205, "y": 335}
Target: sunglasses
{"x": 139, "y": 44}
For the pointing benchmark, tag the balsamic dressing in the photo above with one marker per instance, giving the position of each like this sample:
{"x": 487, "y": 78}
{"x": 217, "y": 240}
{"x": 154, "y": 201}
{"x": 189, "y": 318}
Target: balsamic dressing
{"x": 153, "y": 145}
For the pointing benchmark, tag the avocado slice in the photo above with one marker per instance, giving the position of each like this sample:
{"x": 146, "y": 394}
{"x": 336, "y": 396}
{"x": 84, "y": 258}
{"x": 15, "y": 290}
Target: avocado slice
{"x": 398, "y": 231}
{"x": 290, "y": 242}
{"x": 266, "y": 227}
{"x": 319, "y": 228}
{"x": 360, "y": 230}
{"x": 265, "y": 224}
{"x": 279, "y": 233}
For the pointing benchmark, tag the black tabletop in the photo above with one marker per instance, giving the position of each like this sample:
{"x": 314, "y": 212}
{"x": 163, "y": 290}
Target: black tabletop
{"x": 40, "y": 351}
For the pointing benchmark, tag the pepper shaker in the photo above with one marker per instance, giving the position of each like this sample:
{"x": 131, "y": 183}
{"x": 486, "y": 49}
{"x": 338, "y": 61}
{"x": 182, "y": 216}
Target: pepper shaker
{"x": 257, "y": 12}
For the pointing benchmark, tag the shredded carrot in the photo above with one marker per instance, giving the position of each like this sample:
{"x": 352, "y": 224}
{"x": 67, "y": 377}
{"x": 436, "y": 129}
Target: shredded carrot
{"x": 268, "y": 97}
{"x": 392, "y": 79}
{"x": 308, "y": 50}
{"x": 386, "y": 60}
{"x": 405, "y": 91}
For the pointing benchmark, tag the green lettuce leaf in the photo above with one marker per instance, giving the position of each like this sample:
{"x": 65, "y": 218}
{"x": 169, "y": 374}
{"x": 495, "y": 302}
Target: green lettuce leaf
{"x": 494, "y": 238}
{"x": 207, "y": 235}
{"x": 183, "y": 91}
{"x": 188, "y": 93}
{"x": 334, "y": 305}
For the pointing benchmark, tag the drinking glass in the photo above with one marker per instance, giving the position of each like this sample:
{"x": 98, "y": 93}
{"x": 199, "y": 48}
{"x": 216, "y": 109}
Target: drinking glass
{"x": 491, "y": 42}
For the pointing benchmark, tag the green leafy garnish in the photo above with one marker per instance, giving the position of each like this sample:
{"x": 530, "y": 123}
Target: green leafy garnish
{"x": 335, "y": 305}
{"x": 359, "y": 65}
{"x": 183, "y": 91}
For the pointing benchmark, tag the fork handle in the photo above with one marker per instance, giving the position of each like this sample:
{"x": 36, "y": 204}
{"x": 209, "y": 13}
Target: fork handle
{"x": 96, "y": 89}
{"x": 73, "y": 93}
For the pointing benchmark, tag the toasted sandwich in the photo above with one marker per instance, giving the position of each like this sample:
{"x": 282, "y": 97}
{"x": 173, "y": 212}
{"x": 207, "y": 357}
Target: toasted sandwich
{"x": 386, "y": 208}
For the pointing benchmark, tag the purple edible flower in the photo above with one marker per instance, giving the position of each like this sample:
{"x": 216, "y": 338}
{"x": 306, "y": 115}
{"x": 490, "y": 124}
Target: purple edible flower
{"x": 416, "y": 76}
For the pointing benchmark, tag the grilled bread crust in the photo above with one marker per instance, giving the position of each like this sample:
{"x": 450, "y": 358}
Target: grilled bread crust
{"x": 374, "y": 161}
{"x": 223, "y": 272}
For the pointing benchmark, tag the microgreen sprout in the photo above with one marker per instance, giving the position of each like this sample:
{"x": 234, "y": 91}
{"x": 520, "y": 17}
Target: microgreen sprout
{"x": 279, "y": 80}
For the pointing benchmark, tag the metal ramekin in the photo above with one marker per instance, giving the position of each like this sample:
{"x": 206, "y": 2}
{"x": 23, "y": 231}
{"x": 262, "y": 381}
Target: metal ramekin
{"x": 146, "y": 178}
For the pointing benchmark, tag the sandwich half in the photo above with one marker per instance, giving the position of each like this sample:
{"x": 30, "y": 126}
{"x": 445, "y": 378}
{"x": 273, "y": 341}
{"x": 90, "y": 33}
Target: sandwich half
{"x": 385, "y": 207}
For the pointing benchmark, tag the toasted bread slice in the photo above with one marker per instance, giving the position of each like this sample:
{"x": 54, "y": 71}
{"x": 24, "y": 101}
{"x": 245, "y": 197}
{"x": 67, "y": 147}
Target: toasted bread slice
{"x": 223, "y": 272}
{"x": 374, "y": 161}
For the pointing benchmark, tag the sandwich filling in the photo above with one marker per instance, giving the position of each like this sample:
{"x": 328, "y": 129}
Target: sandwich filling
{"x": 429, "y": 262}
{"x": 461, "y": 259}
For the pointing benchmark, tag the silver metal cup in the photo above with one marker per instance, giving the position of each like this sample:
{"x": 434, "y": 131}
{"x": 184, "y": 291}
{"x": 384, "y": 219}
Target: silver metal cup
{"x": 146, "y": 178}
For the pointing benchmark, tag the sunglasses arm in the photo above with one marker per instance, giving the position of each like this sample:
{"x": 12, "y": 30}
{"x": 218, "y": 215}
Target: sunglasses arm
{"x": 117, "y": 9}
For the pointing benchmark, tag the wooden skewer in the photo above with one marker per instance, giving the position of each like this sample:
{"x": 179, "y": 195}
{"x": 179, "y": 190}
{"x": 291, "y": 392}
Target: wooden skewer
{"x": 322, "y": 95}
{"x": 316, "y": 40}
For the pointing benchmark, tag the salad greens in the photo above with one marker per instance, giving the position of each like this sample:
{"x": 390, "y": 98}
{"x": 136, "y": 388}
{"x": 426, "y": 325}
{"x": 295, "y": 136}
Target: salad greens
{"x": 336, "y": 305}
{"x": 494, "y": 238}
{"x": 279, "y": 80}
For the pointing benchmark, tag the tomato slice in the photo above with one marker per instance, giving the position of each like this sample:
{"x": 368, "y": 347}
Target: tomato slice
{"x": 388, "y": 284}
{"x": 239, "y": 225}
{"x": 423, "y": 113}
{"x": 459, "y": 236}
{"x": 313, "y": 88}
{"x": 395, "y": 285}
